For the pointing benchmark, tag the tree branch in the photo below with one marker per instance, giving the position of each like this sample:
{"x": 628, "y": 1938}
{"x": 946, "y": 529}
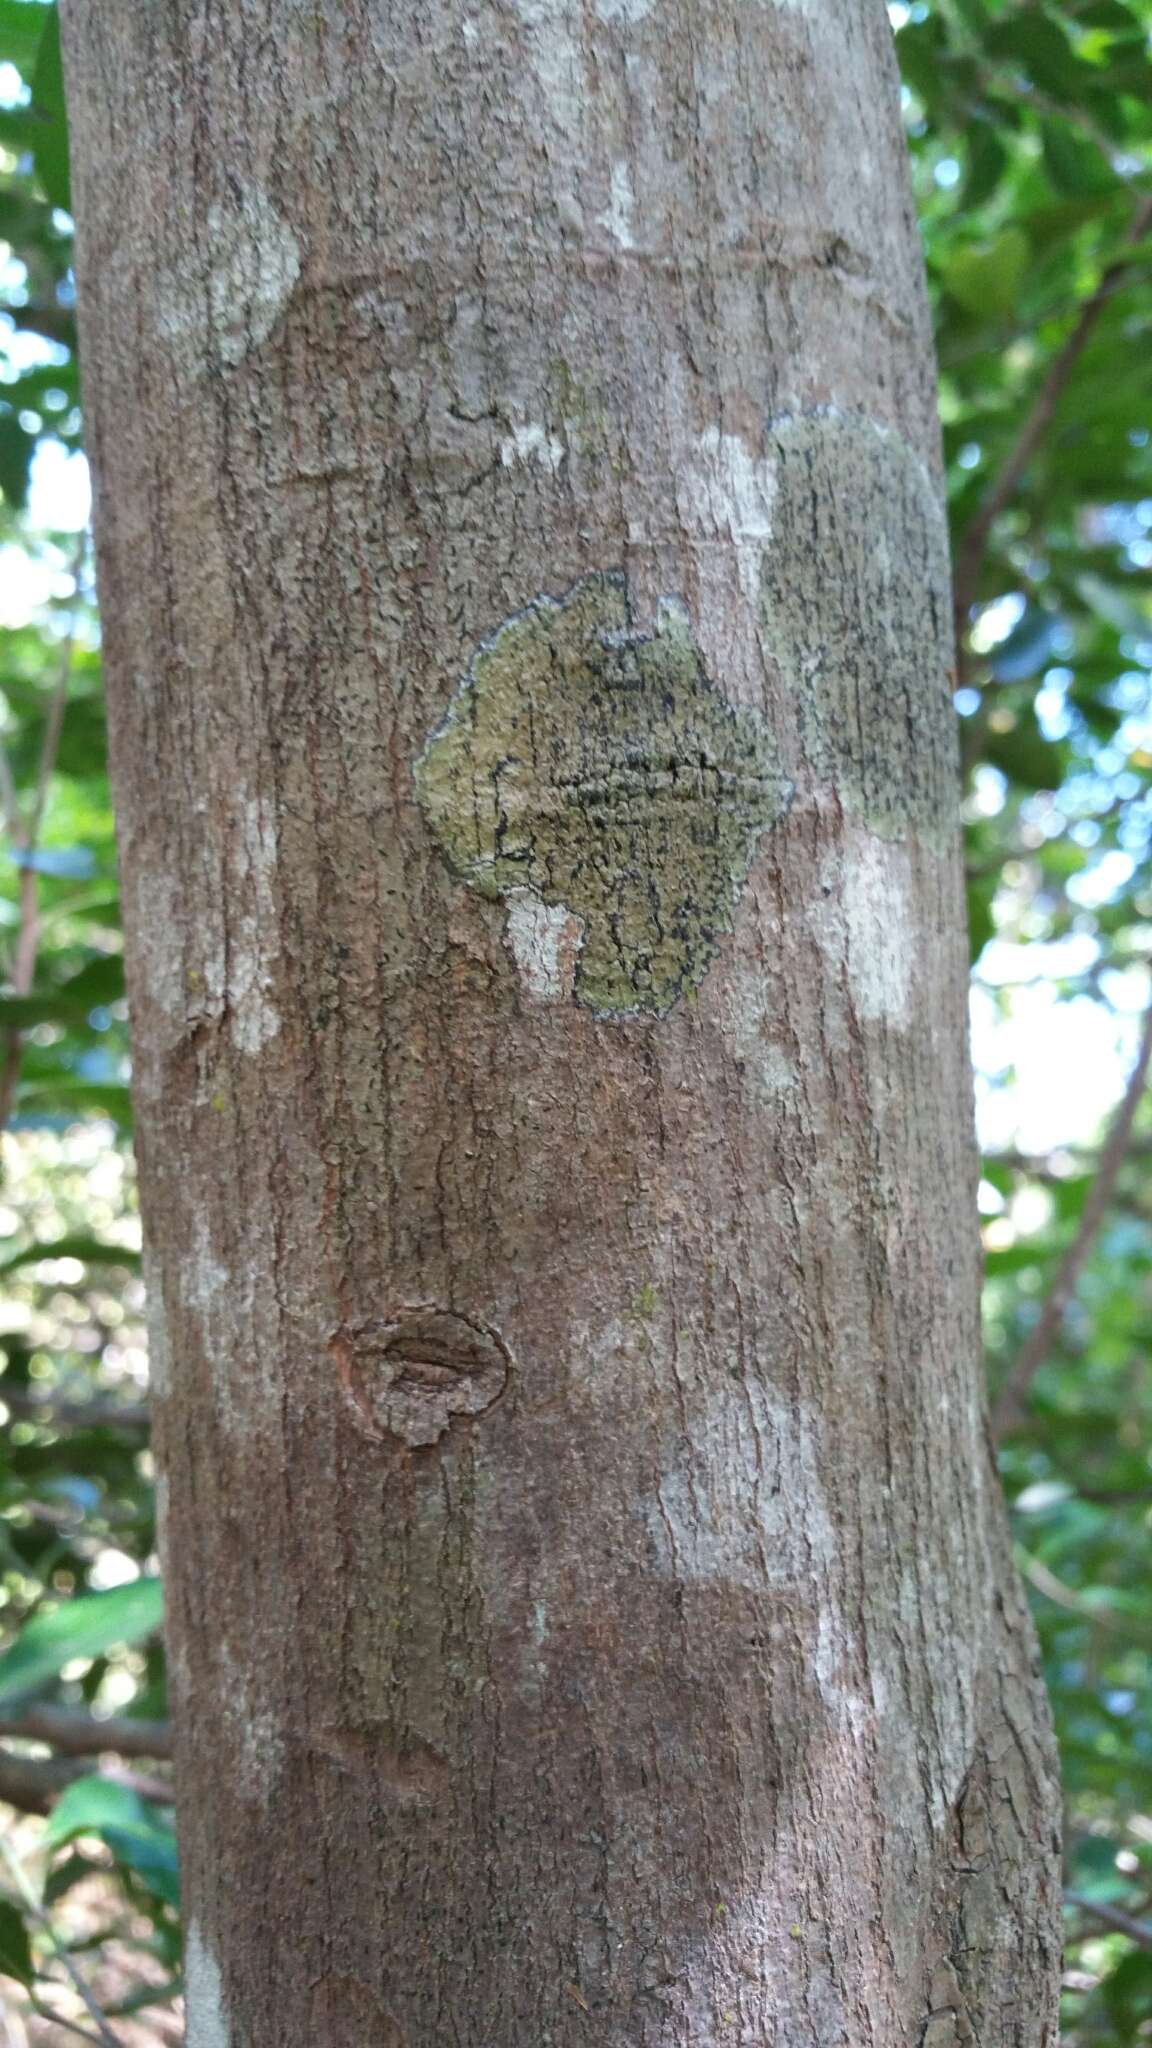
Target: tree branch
{"x": 1139, "y": 1931}
{"x": 1045, "y": 1581}
{"x": 83, "y": 1735}
{"x": 33, "y": 1784}
{"x": 67, "y": 1415}
{"x": 1009, "y": 1408}
{"x": 974, "y": 544}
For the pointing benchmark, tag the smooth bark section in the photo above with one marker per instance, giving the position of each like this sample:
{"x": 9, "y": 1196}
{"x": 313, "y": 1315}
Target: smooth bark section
{"x": 589, "y": 1606}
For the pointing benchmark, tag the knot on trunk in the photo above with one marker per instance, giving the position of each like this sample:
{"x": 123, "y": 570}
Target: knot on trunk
{"x": 409, "y": 1373}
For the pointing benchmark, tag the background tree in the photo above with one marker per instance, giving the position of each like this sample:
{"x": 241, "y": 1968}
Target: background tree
{"x": 1029, "y": 140}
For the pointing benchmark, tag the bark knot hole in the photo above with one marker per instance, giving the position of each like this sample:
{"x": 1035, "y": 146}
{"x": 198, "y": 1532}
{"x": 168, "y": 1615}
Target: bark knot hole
{"x": 409, "y": 1373}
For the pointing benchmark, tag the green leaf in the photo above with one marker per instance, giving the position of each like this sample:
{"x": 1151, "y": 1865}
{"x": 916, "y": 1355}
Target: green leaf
{"x": 70, "y": 1098}
{"x": 981, "y": 927}
{"x": 1033, "y": 42}
{"x": 921, "y": 46}
{"x": 1119, "y": 608}
{"x": 93, "y": 987}
{"x": 1026, "y": 757}
{"x": 1027, "y": 648}
{"x": 17, "y": 446}
{"x": 76, "y": 1246}
{"x": 83, "y": 1627}
{"x": 987, "y": 163}
{"x": 985, "y": 277}
{"x": 15, "y": 1948}
{"x": 88, "y": 1806}
{"x": 21, "y": 32}
{"x": 1127, "y": 1990}
{"x": 1111, "y": 15}
{"x": 50, "y": 146}
{"x": 134, "y": 1831}
{"x": 1074, "y": 165}
{"x": 100, "y": 982}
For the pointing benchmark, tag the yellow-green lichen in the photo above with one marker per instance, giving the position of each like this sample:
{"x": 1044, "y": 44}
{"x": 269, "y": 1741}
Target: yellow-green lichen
{"x": 856, "y": 614}
{"x": 597, "y": 767}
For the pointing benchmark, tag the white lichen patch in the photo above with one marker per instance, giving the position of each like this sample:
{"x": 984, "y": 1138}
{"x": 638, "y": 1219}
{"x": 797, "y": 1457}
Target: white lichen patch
{"x": 158, "y": 926}
{"x": 742, "y": 1527}
{"x": 532, "y": 443}
{"x": 207, "y": 2018}
{"x": 750, "y": 1015}
{"x": 881, "y": 930}
{"x": 159, "y": 1340}
{"x": 833, "y": 1656}
{"x": 253, "y": 934}
{"x": 557, "y": 56}
{"x": 617, "y": 219}
{"x": 726, "y": 491}
{"x": 545, "y": 942}
{"x": 623, "y": 10}
{"x": 224, "y": 297}
{"x": 865, "y": 919}
{"x": 253, "y": 1729}
{"x": 204, "y": 1281}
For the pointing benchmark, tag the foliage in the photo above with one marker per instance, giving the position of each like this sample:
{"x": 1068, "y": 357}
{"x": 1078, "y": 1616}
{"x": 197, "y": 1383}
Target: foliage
{"x": 1030, "y": 130}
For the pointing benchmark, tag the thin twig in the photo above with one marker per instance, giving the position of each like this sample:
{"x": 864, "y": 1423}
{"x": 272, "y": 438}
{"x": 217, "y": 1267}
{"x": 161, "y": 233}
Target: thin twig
{"x": 1045, "y": 1581}
{"x": 974, "y": 544}
{"x": 48, "y": 2012}
{"x": 20, "y": 1878}
{"x": 1009, "y": 1408}
{"x": 1139, "y": 1931}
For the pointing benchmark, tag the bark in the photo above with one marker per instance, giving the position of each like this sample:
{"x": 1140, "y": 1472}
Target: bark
{"x": 527, "y": 625}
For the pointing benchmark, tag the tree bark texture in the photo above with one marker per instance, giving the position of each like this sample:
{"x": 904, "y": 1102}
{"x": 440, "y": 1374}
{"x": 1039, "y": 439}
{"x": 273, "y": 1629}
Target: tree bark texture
{"x": 527, "y": 618}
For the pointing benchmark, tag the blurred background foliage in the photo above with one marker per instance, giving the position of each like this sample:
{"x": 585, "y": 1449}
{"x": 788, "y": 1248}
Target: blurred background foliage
{"x": 1030, "y": 130}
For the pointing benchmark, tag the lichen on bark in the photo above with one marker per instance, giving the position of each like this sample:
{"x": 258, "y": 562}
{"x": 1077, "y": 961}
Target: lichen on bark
{"x": 597, "y": 767}
{"x": 856, "y": 612}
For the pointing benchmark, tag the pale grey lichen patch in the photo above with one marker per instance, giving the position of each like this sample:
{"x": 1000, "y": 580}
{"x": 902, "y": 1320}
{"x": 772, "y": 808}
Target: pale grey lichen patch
{"x": 253, "y": 1729}
{"x": 596, "y": 766}
{"x": 856, "y": 611}
{"x": 253, "y": 935}
{"x": 532, "y": 443}
{"x": 159, "y": 1339}
{"x": 618, "y": 216}
{"x": 222, "y": 300}
{"x": 545, "y": 941}
{"x": 863, "y": 916}
{"x": 726, "y": 490}
{"x": 207, "y": 2023}
{"x": 556, "y": 54}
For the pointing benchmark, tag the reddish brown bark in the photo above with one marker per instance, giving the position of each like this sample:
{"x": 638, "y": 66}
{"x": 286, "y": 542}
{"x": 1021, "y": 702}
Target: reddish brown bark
{"x": 527, "y": 616}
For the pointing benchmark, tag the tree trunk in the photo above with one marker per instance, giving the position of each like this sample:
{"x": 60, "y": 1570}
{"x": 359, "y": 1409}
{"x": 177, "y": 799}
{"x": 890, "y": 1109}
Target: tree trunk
{"x": 526, "y": 609}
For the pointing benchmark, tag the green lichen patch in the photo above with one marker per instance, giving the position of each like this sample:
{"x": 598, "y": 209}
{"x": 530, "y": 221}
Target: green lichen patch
{"x": 596, "y": 766}
{"x": 856, "y": 611}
